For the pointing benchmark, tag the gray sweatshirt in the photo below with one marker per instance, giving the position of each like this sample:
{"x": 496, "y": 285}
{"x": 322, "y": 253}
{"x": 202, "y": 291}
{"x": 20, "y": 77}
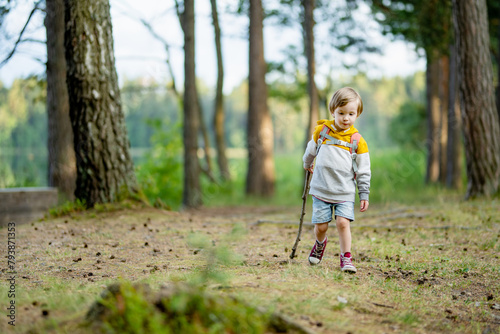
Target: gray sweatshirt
{"x": 333, "y": 177}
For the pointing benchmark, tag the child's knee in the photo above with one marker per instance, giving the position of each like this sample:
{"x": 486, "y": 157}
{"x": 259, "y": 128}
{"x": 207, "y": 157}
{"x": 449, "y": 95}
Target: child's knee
{"x": 342, "y": 223}
{"x": 322, "y": 228}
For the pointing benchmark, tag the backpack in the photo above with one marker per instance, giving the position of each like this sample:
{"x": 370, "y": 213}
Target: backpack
{"x": 353, "y": 145}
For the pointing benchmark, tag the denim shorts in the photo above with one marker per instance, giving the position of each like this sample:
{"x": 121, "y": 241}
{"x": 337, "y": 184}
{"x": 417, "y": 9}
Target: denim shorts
{"x": 322, "y": 211}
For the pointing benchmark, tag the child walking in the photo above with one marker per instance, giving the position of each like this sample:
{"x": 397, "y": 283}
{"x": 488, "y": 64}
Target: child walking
{"x": 337, "y": 171}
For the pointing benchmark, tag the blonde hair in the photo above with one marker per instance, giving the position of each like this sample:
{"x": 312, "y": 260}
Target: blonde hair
{"x": 342, "y": 97}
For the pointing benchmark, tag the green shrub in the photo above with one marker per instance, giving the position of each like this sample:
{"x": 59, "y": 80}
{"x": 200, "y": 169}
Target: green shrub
{"x": 68, "y": 208}
{"x": 160, "y": 173}
{"x": 131, "y": 309}
{"x": 407, "y": 129}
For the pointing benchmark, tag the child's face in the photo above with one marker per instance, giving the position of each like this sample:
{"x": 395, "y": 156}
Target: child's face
{"x": 346, "y": 115}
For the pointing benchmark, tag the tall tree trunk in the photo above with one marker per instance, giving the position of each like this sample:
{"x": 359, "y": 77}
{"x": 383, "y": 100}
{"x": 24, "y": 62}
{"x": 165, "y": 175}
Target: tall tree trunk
{"x": 105, "y": 171}
{"x": 62, "y": 164}
{"x": 498, "y": 71}
{"x": 433, "y": 118}
{"x": 444, "y": 77}
{"x": 260, "y": 174}
{"x": 202, "y": 128}
{"x": 308, "y": 35}
{"x": 454, "y": 149}
{"x": 192, "y": 189}
{"x": 480, "y": 117}
{"x": 206, "y": 141}
{"x": 219, "y": 100}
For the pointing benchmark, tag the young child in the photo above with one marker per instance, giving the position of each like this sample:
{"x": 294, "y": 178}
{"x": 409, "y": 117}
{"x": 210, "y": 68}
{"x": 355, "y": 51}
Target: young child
{"x": 333, "y": 184}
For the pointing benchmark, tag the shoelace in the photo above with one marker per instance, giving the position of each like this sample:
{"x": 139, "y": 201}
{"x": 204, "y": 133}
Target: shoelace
{"x": 318, "y": 249}
{"x": 347, "y": 261}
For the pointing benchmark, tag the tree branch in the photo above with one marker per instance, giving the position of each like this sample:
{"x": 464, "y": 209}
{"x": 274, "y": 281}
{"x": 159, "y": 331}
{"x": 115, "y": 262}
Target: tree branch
{"x": 19, "y": 39}
{"x": 166, "y": 45}
{"x": 162, "y": 40}
{"x": 179, "y": 14}
{"x": 32, "y": 40}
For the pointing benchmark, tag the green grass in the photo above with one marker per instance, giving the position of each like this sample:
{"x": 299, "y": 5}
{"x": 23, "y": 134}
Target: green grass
{"x": 397, "y": 176}
{"x": 289, "y": 182}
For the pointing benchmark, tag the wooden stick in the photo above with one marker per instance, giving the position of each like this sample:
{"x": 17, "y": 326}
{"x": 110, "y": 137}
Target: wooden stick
{"x": 304, "y": 201}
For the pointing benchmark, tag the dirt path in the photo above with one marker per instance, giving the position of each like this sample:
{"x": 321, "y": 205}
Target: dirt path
{"x": 433, "y": 269}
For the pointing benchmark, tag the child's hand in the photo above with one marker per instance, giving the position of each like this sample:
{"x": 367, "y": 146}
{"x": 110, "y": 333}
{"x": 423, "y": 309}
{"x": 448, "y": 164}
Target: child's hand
{"x": 364, "y": 206}
{"x": 310, "y": 168}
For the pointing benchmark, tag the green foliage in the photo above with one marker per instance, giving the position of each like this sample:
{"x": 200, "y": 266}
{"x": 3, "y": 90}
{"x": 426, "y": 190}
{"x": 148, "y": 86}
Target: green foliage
{"x": 127, "y": 311}
{"x": 127, "y": 308}
{"x": 23, "y": 134}
{"x": 160, "y": 175}
{"x": 406, "y": 129}
{"x": 195, "y": 311}
{"x": 68, "y": 208}
{"x": 6, "y": 176}
{"x": 382, "y": 100}
{"x": 428, "y": 24}
{"x": 23, "y": 120}
{"x": 144, "y": 101}
{"x": 289, "y": 183}
{"x": 153, "y": 122}
{"x": 398, "y": 176}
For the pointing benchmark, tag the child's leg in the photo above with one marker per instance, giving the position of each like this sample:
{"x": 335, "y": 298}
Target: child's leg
{"x": 319, "y": 246}
{"x": 322, "y": 215}
{"x": 344, "y": 230}
{"x": 320, "y": 231}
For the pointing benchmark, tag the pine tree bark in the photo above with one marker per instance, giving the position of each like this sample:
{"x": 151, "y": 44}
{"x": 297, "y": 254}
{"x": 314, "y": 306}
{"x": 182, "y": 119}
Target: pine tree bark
{"x": 480, "y": 117}
{"x": 202, "y": 128}
{"x": 498, "y": 71}
{"x": 105, "y": 171}
{"x": 444, "y": 77}
{"x": 62, "y": 164}
{"x": 454, "y": 149}
{"x": 260, "y": 174}
{"x": 433, "y": 118}
{"x": 308, "y": 33}
{"x": 192, "y": 189}
{"x": 219, "y": 116}
{"x": 206, "y": 141}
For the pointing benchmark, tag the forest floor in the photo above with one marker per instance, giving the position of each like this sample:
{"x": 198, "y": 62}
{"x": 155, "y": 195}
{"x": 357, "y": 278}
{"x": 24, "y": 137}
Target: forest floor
{"x": 432, "y": 269}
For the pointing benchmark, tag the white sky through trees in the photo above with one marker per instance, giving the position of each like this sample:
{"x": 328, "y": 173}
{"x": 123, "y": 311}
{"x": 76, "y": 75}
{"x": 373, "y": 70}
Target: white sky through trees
{"x": 138, "y": 54}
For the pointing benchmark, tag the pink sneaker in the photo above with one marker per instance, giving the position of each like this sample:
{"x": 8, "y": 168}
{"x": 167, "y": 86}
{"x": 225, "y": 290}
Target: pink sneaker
{"x": 346, "y": 263}
{"x": 317, "y": 252}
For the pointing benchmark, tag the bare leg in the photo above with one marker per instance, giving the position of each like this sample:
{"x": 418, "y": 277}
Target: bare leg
{"x": 344, "y": 230}
{"x": 320, "y": 231}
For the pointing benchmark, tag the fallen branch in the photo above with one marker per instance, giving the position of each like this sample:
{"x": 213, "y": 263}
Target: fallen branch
{"x": 382, "y": 305}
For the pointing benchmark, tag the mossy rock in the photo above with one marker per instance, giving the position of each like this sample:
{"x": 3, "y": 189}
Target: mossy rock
{"x": 180, "y": 308}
